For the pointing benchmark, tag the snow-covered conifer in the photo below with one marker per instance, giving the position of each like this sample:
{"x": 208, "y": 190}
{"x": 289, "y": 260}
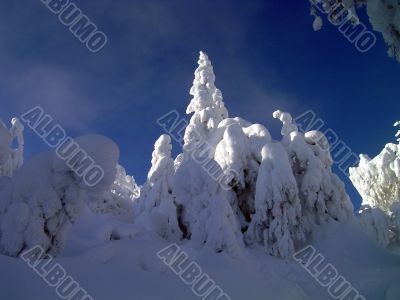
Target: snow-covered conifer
{"x": 206, "y": 105}
{"x": 277, "y": 205}
{"x": 378, "y": 182}
{"x": 206, "y": 215}
{"x": 119, "y": 200}
{"x": 238, "y": 153}
{"x": 378, "y": 179}
{"x": 156, "y": 209}
{"x": 321, "y": 192}
{"x": 296, "y": 190}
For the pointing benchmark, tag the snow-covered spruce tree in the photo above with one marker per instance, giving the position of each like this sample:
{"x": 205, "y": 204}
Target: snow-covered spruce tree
{"x": 238, "y": 152}
{"x": 11, "y": 159}
{"x": 156, "y": 209}
{"x": 378, "y": 179}
{"x": 42, "y": 199}
{"x": 378, "y": 182}
{"x": 204, "y": 208}
{"x": 119, "y": 200}
{"x": 205, "y": 213}
{"x": 384, "y": 16}
{"x": 296, "y": 190}
{"x": 277, "y": 206}
{"x": 206, "y": 105}
{"x": 321, "y": 192}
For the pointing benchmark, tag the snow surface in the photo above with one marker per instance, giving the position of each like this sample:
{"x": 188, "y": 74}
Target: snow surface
{"x": 129, "y": 269}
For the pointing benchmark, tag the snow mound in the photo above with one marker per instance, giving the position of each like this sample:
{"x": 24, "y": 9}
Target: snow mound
{"x": 45, "y": 196}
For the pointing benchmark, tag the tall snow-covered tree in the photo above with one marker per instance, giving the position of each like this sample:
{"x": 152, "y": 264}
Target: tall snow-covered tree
{"x": 384, "y": 16}
{"x": 322, "y": 193}
{"x": 296, "y": 190}
{"x": 277, "y": 206}
{"x": 206, "y": 214}
{"x": 238, "y": 152}
{"x": 156, "y": 209}
{"x": 206, "y": 105}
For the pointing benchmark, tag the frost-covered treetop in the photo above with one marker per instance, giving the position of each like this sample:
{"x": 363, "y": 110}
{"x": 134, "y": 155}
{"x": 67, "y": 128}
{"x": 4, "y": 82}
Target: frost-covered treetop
{"x": 207, "y": 104}
{"x": 161, "y": 157}
{"x": 204, "y": 92}
{"x": 162, "y": 148}
{"x": 203, "y": 85}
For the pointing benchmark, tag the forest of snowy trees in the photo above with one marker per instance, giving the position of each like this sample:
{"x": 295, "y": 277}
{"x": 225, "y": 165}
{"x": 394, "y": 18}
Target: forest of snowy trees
{"x": 274, "y": 193}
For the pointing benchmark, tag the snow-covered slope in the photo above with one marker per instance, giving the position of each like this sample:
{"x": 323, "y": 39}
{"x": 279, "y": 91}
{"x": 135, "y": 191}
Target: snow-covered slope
{"x": 130, "y": 269}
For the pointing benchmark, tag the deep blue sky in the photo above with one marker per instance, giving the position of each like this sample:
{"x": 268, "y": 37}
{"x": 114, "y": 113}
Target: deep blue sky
{"x": 266, "y": 56}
